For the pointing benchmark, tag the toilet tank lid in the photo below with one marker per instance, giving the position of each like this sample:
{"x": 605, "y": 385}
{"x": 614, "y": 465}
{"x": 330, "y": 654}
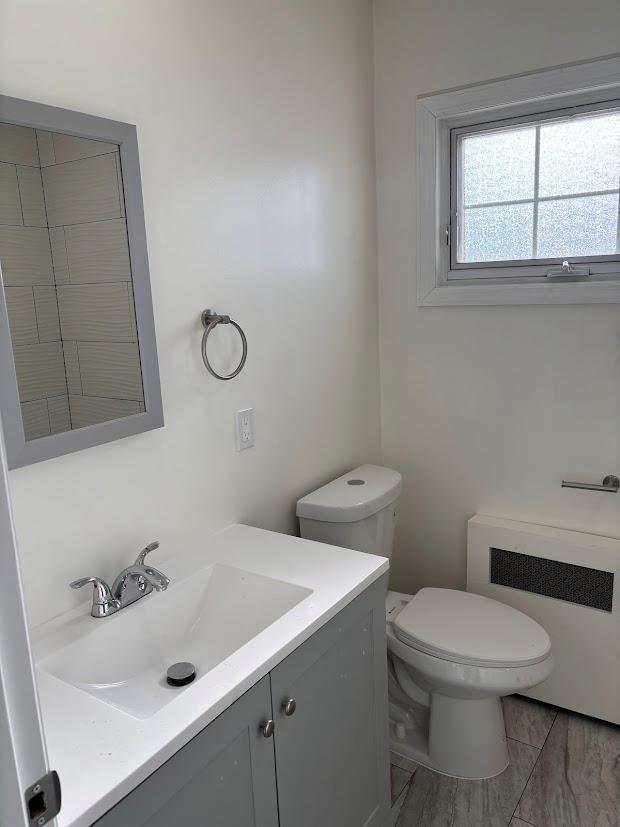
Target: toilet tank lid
{"x": 354, "y": 496}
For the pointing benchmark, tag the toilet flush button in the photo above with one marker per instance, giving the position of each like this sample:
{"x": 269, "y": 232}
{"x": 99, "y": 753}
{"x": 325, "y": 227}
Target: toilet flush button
{"x": 356, "y": 482}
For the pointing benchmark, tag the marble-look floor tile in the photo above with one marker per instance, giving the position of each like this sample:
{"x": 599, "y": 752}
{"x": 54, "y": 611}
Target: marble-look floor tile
{"x": 576, "y": 782}
{"x": 528, "y": 721}
{"x": 435, "y": 800}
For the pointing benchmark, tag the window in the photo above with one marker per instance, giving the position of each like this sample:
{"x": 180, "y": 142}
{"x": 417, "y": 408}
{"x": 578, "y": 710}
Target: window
{"x": 542, "y": 191}
{"x": 519, "y": 189}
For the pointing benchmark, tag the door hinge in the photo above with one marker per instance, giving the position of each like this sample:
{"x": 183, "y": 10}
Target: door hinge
{"x": 43, "y": 799}
{"x": 448, "y": 234}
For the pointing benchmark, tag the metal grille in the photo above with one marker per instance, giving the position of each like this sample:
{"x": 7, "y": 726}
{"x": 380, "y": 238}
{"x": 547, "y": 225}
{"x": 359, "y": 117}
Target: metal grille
{"x": 553, "y": 578}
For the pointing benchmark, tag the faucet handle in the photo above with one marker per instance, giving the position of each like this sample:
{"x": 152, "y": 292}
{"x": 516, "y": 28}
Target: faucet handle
{"x": 146, "y": 550}
{"x": 102, "y": 593}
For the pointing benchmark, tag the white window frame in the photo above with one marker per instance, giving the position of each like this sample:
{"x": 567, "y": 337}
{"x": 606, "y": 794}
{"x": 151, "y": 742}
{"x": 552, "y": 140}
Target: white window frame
{"x": 522, "y": 97}
{"x": 596, "y": 264}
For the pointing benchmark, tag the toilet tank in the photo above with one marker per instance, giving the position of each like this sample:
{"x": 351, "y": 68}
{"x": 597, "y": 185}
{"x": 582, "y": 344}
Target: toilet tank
{"x": 356, "y": 510}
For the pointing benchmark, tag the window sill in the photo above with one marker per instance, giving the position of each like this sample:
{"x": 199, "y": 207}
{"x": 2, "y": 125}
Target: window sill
{"x": 477, "y": 294}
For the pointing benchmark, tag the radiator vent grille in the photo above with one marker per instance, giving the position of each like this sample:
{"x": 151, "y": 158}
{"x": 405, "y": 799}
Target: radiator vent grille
{"x": 553, "y": 578}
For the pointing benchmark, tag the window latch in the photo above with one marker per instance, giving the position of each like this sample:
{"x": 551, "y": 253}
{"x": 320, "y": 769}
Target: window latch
{"x": 567, "y": 270}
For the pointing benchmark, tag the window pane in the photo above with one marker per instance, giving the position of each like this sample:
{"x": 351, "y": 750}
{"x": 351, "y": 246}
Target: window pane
{"x": 552, "y": 168}
{"x": 497, "y": 233}
{"x": 498, "y": 166}
{"x": 585, "y": 226}
{"x": 580, "y": 155}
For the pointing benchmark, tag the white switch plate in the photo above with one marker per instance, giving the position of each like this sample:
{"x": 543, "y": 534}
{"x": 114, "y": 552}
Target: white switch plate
{"x": 244, "y": 421}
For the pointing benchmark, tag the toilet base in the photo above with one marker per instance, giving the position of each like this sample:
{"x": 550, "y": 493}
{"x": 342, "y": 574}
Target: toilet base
{"x": 466, "y": 738}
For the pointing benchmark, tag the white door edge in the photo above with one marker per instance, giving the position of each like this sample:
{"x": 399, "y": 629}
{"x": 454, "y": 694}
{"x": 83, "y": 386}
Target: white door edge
{"x": 23, "y": 756}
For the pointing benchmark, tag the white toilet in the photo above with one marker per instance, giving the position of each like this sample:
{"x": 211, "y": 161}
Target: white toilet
{"x": 452, "y": 655}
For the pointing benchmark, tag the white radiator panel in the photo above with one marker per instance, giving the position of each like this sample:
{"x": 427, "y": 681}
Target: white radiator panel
{"x": 585, "y": 641}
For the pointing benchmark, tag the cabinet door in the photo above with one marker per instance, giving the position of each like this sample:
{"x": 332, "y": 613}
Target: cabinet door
{"x": 224, "y": 777}
{"x": 332, "y": 752}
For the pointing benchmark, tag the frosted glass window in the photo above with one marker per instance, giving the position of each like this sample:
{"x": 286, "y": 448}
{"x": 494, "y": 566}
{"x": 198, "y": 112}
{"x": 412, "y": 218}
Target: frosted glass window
{"x": 544, "y": 190}
{"x": 498, "y": 166}
{"x": 582, "y": 155}
{"x": 586, "y": 226}
{"x": 498, "y": 233}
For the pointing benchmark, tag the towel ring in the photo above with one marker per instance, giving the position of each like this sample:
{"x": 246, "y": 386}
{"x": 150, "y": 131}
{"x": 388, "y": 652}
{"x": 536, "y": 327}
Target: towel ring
{"x": 210, "y": 320}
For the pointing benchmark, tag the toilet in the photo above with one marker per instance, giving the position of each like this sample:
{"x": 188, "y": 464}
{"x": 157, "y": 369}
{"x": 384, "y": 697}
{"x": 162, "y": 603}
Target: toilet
{"x": 452, "y": 655}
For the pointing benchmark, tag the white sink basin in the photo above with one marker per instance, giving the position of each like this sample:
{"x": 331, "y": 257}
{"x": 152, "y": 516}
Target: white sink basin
{"x": 203, "y": 619}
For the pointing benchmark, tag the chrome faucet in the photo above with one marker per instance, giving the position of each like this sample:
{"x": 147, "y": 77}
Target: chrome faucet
{"x": 133, "y": 583}
{"x": 104, "y": 603}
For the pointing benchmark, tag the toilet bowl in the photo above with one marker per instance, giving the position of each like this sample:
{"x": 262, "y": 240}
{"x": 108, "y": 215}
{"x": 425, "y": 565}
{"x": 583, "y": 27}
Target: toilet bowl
{"x": 452, "y": 655}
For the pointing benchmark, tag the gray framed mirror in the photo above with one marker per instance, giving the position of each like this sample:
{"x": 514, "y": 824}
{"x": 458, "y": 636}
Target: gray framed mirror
{"x": 78, "y": 359}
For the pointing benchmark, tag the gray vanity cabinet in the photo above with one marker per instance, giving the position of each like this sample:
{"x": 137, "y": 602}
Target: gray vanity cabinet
{"x": 224, "y": 777}
{"x": 328, "y": 749}
{"x": 331, "y": 752}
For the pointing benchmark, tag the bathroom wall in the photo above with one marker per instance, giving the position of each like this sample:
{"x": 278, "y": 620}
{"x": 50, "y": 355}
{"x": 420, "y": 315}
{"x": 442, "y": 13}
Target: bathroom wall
{"x": 484, "y": 409}
{"x": 255, "y": 130}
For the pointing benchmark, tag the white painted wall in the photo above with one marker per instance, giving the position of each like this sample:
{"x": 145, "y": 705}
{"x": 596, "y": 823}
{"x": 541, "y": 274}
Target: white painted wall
{"x": 484, "y": 409}
{"x": 257, "y": 150}
{"x": 256, "y": 139}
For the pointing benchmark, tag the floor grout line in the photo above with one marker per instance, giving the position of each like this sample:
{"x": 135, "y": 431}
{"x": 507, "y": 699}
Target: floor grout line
{"x": 400, "y": 792}
{"x": 403, "y": 794}
{"x": 527, "y": 743}
{"x": 532, "y": 771}
{"x": 527, "y": 781}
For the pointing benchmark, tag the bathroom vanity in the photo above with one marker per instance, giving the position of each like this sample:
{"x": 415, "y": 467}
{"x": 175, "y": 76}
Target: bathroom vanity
{"x": 287, "y": 727}
{"x": 299, "y": 748}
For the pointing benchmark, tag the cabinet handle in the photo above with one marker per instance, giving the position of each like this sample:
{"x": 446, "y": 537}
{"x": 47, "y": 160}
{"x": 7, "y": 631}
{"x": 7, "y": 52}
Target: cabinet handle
{"x": 289, "y": 706}
{"x": 267, "y": 728}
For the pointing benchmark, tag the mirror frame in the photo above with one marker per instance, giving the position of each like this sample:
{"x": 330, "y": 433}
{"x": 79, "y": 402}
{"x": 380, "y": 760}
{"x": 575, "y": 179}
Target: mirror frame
{"x": 19, "y": 451}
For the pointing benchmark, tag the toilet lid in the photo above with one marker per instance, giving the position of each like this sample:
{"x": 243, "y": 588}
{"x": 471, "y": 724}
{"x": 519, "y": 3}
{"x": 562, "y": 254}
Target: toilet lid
{"x": 469, "y": 628}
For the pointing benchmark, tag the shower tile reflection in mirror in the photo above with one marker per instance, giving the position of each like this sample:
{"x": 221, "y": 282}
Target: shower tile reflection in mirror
{"x": 67, "y": 280}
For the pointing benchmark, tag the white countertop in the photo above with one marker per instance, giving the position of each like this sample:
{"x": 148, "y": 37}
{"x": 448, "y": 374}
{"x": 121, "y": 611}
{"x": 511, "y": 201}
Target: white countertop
{"x": 101, "y": 753}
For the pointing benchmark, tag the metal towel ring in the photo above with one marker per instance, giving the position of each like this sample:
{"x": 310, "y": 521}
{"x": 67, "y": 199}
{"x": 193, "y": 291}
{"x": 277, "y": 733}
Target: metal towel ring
{"x": 210, "y": 320}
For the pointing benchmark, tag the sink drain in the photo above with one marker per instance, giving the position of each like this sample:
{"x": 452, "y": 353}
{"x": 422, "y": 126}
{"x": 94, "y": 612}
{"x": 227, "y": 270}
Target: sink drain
{"x": 180, "y": 674}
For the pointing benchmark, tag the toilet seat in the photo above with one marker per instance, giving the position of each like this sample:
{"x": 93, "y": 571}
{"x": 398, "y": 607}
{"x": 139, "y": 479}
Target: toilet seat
{"x": 470, "y": 629}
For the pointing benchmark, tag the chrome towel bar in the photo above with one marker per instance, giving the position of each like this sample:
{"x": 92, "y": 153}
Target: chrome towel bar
{"x": 610, "y": 484}
{"x": 210, "y": 320}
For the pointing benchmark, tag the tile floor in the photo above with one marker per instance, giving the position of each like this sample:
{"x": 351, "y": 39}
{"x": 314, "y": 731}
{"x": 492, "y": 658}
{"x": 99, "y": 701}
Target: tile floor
{"x": 564, "y": 772}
